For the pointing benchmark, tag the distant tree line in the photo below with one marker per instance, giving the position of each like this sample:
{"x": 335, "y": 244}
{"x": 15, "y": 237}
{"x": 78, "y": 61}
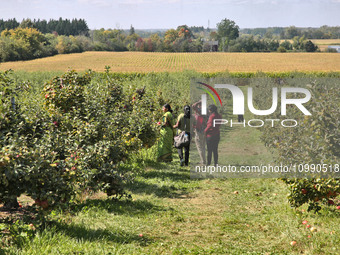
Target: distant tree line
{"x": 61, "y": 27}
{"x": 9, "y": 24}
{"x": 324, "y": 32}
{"x": 35, "y": 39}
{"x": 250, "y": 43}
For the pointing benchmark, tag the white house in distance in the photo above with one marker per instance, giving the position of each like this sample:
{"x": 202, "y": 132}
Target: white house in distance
{"x": 336, "y": 47}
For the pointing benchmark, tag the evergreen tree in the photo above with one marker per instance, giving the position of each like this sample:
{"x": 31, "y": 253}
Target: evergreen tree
{"x": 310, "y": 46}
{"x": 62, "y": 27}
{"x": 9, "y": 24}
{"x": 27, "y": 23}
{"x": 132, "y": 30}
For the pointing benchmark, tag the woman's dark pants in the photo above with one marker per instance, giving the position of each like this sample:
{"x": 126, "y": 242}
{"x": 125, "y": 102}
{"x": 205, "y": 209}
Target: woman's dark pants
{"x": 212, "y": 146}
{"x": 186, "y": 152}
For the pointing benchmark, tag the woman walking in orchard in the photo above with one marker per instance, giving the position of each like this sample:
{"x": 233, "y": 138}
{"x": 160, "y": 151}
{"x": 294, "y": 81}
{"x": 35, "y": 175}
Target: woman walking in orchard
{"x": 200, "y": 136}
{"x": 212, "y": 134}
{"x": 184, "y": 122}
{"x": 166, "y": 135}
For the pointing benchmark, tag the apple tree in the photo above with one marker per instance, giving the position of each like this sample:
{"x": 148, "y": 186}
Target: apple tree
{"x": 313, "y": 146}
{"x": 102, "y": 125}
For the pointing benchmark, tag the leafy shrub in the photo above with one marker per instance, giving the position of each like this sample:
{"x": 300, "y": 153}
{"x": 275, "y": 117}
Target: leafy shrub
{"x": 315, "y": 140}
{"x": 281, "y": 49}
{"x": 287, "y": 45}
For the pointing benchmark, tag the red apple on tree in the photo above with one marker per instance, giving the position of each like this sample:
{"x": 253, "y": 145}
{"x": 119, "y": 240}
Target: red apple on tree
{"x": 38, "y": 202}
{"x": 32, "y": 226}
{"x": 44, "y": 204}
{"x": 330, "y": 202}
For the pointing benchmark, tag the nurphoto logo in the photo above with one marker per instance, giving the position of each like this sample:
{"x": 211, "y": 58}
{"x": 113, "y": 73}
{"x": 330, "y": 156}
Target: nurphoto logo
{"x": 238, "y": 104}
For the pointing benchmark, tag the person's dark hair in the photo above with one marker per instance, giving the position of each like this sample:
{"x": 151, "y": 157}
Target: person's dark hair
{"x": 187, "y": 111}
{"x": 167, "y": 106}
{"x": 212, "y": 108}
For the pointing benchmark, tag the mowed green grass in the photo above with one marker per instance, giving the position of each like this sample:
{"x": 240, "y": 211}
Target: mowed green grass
{"x": 172, "y": 214}
{"x": 174, "y": 62}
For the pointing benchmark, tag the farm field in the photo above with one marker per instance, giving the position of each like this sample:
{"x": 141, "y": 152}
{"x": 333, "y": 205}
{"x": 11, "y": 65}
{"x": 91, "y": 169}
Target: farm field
{"x": 174, "y": 62}
{"x": 324, "y": 43}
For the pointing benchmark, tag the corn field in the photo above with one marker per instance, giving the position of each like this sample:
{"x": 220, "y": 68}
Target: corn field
{"x": 174, "y": 62}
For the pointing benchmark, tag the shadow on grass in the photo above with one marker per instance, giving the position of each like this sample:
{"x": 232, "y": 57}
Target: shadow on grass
{"x": 159, "y": 191}
{"x": 182, "y": 174}
{"x": 84, "y": 233}
{"x": 164, "y": 180}
{"x": 119, "y": 207}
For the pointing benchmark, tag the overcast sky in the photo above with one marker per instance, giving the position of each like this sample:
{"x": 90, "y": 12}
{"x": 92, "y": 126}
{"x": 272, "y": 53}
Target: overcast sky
{"x": 165, "y": 14}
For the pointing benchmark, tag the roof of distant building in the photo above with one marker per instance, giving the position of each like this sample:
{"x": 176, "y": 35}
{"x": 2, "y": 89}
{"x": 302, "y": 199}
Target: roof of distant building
{"x": 211, "y": 42}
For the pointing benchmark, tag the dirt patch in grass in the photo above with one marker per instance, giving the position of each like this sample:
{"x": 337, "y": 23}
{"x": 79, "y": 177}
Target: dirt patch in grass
{"x": 91, "y": 195}
{"x": 16, "y": 214}
{"x": 26, "y": 204}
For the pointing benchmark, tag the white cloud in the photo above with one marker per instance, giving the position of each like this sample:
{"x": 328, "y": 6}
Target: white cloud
{"x": 238, "y": 2}
{"x": 129, "y": 6}
{"x": 150, "y": 1}
{"x": 100, "y": 3}
{"x": 275, "y": 2}
{"x": 106, "y": 3}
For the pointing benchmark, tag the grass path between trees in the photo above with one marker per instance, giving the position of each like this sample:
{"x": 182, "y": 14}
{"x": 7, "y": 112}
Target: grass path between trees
{"x": 173, "y": 214}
